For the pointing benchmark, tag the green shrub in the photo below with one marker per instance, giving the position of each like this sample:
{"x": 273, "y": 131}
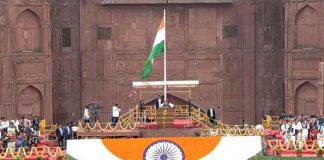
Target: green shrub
{"x": 59, "y": 157}
{"x": 299, "y": 152}
{"x": 279, "y": 151}
{"x": 319, "y": 152}
{"x": 20, "y": 157}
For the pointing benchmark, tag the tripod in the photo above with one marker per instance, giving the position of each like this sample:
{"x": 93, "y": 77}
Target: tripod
{"x": 96, "y": 108}
{"x": 96, "y": 114}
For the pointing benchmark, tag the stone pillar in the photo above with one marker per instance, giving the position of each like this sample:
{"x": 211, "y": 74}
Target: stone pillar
{"x": 321, "y": 73}
{"x": 321, "y": 88}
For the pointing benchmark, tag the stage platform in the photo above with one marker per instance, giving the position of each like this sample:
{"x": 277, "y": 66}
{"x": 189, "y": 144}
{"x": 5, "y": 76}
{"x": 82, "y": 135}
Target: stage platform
{"x": 109, "y": 134}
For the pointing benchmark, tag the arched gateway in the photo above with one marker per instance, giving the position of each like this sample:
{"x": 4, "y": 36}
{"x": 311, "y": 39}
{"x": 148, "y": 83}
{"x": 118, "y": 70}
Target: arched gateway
{"x": 306, "y": 99}
{"x": 30, "y": 102}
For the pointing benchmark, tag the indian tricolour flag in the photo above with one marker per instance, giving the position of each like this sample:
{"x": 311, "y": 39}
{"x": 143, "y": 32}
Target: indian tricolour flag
{"x": 158, "y": 48}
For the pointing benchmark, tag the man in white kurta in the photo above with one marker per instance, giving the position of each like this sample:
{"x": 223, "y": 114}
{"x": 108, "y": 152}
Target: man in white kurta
{"x": 5, "y": 125}
{"x": 115, "y": 114}
{"x": 86, "y": 115}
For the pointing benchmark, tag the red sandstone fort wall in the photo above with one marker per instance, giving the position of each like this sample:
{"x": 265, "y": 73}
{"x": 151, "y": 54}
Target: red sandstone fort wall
{"x": 250, "y": 56}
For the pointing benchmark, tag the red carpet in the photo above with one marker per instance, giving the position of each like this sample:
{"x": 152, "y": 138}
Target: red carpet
{"x": 152, "y": 125}
{"x": 181, "y": 123}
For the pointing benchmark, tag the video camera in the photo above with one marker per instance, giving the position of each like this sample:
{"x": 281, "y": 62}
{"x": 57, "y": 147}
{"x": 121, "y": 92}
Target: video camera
{"x": 94, "y": 105}
{"x": 97, "y": 106}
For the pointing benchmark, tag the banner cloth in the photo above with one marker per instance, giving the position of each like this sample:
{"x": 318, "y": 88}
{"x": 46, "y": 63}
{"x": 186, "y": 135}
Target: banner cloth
{"x": 177, "y": 148}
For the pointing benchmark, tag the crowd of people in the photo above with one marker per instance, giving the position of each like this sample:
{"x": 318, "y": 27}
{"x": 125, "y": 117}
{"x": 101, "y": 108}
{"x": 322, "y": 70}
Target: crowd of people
{"x": 302, "y": 128}
{"x": 26, "y": 133}
{"x": 19, "y": 133}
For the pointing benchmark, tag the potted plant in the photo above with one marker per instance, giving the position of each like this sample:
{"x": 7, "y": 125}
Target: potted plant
{"x": 299, "y": 152}
{"x": 319, "y": 152}
{"x": 59, "y": 157}
{"x": 19, "y": 157}
{"x": 279, "y": 151}
{"x": 198, "y": 134}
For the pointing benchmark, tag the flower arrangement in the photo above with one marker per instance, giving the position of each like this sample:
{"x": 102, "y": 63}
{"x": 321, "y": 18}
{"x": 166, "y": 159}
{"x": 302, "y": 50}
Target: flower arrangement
{"x": 279, "y": 151}
{"x": 20, "y": 157}
{"x": 299, "y": 152}
{"x": 319, "y": 152}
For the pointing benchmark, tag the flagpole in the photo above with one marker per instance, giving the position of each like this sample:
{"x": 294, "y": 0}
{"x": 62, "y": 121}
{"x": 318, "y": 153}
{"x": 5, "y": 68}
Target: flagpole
{"x": 165, "y": 86}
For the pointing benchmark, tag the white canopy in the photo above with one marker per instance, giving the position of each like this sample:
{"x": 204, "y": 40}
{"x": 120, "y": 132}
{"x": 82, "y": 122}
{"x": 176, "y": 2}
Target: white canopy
{"x": 170, "y": 84}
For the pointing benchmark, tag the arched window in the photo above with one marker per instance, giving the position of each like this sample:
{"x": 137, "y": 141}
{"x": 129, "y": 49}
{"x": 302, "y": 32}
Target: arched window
{"x": 307, "y": 28}
{"x": 28, "y": 32}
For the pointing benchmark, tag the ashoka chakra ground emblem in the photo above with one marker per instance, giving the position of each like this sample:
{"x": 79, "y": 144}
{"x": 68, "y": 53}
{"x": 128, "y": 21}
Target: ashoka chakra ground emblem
{"x": 163, "y": 150}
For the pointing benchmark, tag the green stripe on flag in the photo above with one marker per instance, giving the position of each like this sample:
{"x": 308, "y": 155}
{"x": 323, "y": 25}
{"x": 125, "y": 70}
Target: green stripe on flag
{"x": 156, "y": 51}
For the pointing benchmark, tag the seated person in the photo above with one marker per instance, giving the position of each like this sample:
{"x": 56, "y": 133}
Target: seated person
{"x": 320, "y": 125}
{"x": 11, "y": 144}
{"x": 33, "y": 141}
{"x": 1, "y": 148}
{"x": 299, "y": 135}
{"x": 287, "y": 136}
{"x": 304, "y": 134}
{"x": 25, "y": 143}
{"x": 19, "y": 144}
{"x": 11, "y": 130}
{"x": 292, "y": 135}
{"x": 20, "y": 140}
{"x": 284, "y": 127}
{"x": 320, "y": 137}
{"x": 5, "y": 140}
{"x": 293, "y": 127}
{"x": 298, "y": 126}
{"x": 37, "y": 133}
{"x": 313, "y": 133}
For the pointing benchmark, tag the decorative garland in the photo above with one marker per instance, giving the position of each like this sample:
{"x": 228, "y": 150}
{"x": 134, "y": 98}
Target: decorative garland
{"x": 232, "y": 132}
{"x": 108, "y": 126}
{"x": 22, "y": 151}
{"x": 300, "y": 145}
